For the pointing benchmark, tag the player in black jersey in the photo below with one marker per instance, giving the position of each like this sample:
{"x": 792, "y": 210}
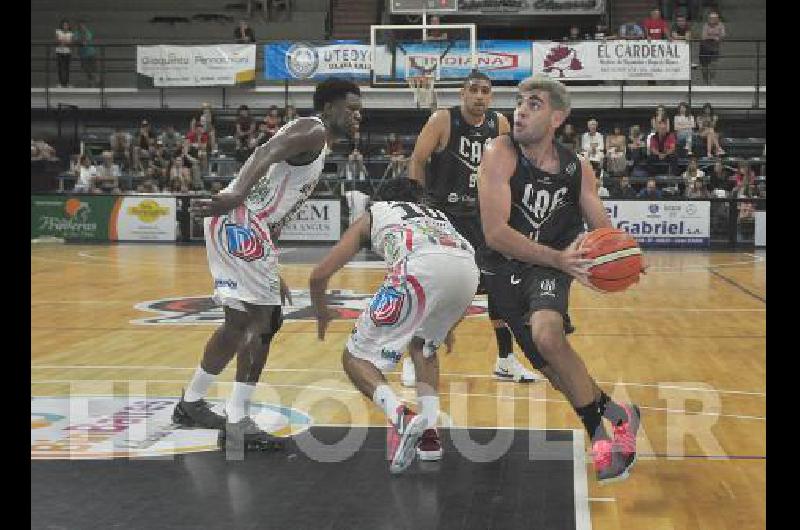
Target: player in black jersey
{"x": 453, "y": 140}
{"x": 535, "y": 195}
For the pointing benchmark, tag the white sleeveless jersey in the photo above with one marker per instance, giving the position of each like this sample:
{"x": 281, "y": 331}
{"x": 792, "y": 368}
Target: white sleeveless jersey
{"x": 400, "y": 229}
{"x": 283, "y": 189}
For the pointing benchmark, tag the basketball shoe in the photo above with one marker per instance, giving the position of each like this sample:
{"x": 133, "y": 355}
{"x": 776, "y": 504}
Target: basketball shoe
{"x": 512, "y": 370}
{"x": 609, "y": 464}
{"x": 246, "y": 434}
{"x": 197, "y": 414}
{"x": 401, "y": 438}
{"x": 625, "y": 435}
{"x": 429, "y": 448}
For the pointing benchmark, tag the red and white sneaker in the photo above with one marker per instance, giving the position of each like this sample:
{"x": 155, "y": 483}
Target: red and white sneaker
{"x": 401, "y": 438}
{"x": 429, "y": 448}
{"x": 625, "y": 434}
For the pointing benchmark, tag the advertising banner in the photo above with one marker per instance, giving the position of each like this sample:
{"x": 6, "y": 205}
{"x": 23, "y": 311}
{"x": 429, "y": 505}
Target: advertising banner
{"x": 219, "y": 65}
{"x": 302, "y": 60}
{"x": 663, "y": 223}
{"x": 317, "y": 220}
{"x": 145, "y": 219}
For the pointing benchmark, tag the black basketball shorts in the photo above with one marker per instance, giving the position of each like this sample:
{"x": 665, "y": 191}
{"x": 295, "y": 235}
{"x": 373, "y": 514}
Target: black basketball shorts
{"x": 518, "y": 294}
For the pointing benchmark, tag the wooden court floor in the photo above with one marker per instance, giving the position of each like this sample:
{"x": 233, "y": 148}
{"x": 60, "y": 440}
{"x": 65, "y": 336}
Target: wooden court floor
{"x": 687, "y": 344}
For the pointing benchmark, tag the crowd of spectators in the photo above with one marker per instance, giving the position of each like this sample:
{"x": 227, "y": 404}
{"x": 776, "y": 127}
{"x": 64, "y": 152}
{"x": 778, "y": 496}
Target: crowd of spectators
{"x": 168, "y": 160}
{"x": 673, "y": 148}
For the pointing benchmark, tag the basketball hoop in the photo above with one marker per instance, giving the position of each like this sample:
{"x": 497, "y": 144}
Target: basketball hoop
{"x": 423, "y": 87}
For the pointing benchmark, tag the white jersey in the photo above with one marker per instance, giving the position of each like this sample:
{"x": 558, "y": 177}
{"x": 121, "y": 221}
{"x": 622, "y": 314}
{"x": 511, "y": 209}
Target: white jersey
{"x": 283, "y": 189}
{"x": 400, "y": 229}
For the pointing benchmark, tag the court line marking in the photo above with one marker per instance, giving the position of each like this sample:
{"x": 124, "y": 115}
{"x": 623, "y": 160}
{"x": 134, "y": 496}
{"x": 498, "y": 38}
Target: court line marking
{"x": 580, "y": 482}
{"x": 602, "y": 499}
{"x": 394, "y": 372}
{"x": 349, "y": 391}
{"x": 739, "y": 286}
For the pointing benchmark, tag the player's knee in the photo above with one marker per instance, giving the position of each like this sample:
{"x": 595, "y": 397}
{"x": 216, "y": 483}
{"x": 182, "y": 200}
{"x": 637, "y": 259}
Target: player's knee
{"x": 547, "y": 330}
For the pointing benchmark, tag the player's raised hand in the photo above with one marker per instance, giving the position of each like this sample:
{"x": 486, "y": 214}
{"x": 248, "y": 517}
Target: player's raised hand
{"x": 217, "y": 205}
{"x": 571, "y": 260}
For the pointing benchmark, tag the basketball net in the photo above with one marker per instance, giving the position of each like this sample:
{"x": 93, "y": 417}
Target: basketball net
{"x": 422, "y": 81}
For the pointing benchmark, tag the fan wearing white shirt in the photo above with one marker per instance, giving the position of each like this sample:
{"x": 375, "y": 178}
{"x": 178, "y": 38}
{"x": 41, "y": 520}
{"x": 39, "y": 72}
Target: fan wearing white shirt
{"x": 88, "y": 175}
{"x": 593, "y": 146}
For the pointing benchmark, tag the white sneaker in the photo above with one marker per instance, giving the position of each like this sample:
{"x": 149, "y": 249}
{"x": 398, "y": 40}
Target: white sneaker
{"x": 511, "y": 369}
{"x": 409, "y": 376}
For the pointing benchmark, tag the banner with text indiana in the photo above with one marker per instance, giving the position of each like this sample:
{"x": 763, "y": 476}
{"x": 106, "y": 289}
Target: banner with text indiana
{"x": 613, "y": 60}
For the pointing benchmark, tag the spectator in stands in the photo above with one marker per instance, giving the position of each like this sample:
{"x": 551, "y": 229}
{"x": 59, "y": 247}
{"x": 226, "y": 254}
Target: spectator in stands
{"x": 121, "y": 145}
{"x": 681, "y": 30}
{"x": 289, "y": 114}
{"x": 745, "y": 189}
{"x": 41, "y": 150}
{"x": 86, "y": 177}
{"x": 650, "y": 191}
{"x": 195, "y": 152}
{"x": 397, "y": 156}
{"x": 87, "y": 52}
{"x": 631, "y": 31}
{"x": 273, "y": 120}
{"x": 206, "y": 119}
{"x": 435, "y": 34}
{"x": 697, "y": 190}
{"x": 141, "y": 151}
{"x": 574, "y": 34}
{"x": 592, "y": 145}
{"x": 662, "y": 147}
{"x": 147, "y": 186}
{"x": 684, "y": 125}
{"x": 707, "y": 125}
{"x": 569, "y": 137}
{"x": 656, "y": 27}
{"x": 637, "y": 148}
{"x": 693, "y": 172}
{"x": 616, "y": 152}
{"x": 179, "y": 175}
{"x": 244, "y": 33}
{"x": 159, "y": 163}
{"x": 713, "y": 33}
{"x": 659, "y": 116}
{"x": 245, "y": 133}
{"x": 624, "y": 190}
{"x": 744, "y": 172}
{"x": 64, "y": 39}
{"x": 108, "y": 174}
{"x": 172, "y": 141}
{"x": 718, "y": 179}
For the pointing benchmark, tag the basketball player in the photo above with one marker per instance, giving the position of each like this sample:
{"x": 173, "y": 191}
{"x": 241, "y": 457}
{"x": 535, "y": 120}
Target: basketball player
{"x": 240, "y": 225}
{"x": 431, "y": 280}
{"x": 535, "y": 195}
{"x": 453, "y": 140}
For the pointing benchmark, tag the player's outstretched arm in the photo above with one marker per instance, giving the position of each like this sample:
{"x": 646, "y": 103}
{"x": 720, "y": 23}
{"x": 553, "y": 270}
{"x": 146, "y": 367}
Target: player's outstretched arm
{"x": 347, "y": 247}
{"x": 494, "y": 192}
{"x": 591, "y": 206}
{"x": 305, "y": 135}
{"x": 429, "y": 138}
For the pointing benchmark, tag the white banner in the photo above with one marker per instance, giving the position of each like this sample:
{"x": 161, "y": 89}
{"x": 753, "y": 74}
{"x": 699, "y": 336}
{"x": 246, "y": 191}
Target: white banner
{"x": 145, "y": 219}
{"x": 663, "y": 223}
{"x": 613, "y": 60}
{"x": 317, "y": 220}
{"x": 223, "y": 64}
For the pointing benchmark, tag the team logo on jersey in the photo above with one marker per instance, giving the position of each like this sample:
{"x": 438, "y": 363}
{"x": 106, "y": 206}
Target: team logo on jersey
{"x": 386, "y": 306}
{"x": 547, "y": 287}
{"x": 302, "y": 60}
{"x": 80, "y": 427}
{"x": 203, "y": 310}
{"x": 571, "y": 167}
{"x": 243, "y": 243}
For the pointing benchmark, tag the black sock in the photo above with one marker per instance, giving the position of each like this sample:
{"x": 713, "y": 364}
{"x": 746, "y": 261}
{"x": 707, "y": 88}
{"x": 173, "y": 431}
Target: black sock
{"x": 592, "y": 421}
{"x": 611, "y": 410}
{"x": 504, "y": 345}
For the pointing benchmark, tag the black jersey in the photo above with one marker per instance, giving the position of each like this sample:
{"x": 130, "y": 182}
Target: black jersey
{"x": 545, "y": 207}
{"x": 452, "y": 177}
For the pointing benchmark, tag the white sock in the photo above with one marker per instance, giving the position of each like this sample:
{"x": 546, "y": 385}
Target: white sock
{"x": 199, "y": 385}
{"x": 387, "y": 400}
{"x": 429, "y": 409}
{"x": 239, "y": 401}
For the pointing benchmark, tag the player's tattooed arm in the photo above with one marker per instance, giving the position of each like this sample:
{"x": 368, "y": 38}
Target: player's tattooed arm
{"x": 347, "y": 247}
{"x": 591, "y": 206}
{"x": 430, "y": 138}
{"x": 304, "y": 136}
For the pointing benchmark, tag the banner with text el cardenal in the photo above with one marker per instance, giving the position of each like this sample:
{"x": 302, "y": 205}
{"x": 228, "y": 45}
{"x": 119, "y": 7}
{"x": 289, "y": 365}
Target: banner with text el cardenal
{"x": 80, "y": 217}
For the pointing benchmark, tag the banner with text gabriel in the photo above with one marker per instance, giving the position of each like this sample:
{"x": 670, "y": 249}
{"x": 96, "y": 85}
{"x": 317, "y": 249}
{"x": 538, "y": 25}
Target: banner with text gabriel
{"x": 219, "y": 65}
{"x": 613, "y": 60}
{"x": 663, "y": 223}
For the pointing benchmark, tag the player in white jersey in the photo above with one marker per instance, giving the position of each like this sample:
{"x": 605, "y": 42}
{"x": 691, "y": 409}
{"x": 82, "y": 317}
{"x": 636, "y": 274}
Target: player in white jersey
{"x": 241, "y": 224}
{"x": 431, "y": 280}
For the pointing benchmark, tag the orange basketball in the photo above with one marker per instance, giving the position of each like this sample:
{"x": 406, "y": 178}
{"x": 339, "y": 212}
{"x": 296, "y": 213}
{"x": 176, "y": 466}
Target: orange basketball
{"x": 617, "y": 259}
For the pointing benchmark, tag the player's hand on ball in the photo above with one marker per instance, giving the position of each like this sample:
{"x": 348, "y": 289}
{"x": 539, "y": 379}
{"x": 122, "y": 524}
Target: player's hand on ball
{"x": 217, "y": 205}
{"x": 571, "y": 260}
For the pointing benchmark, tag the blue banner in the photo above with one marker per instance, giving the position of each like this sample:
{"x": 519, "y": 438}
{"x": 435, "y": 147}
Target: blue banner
{"x": 501, "y": 60}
